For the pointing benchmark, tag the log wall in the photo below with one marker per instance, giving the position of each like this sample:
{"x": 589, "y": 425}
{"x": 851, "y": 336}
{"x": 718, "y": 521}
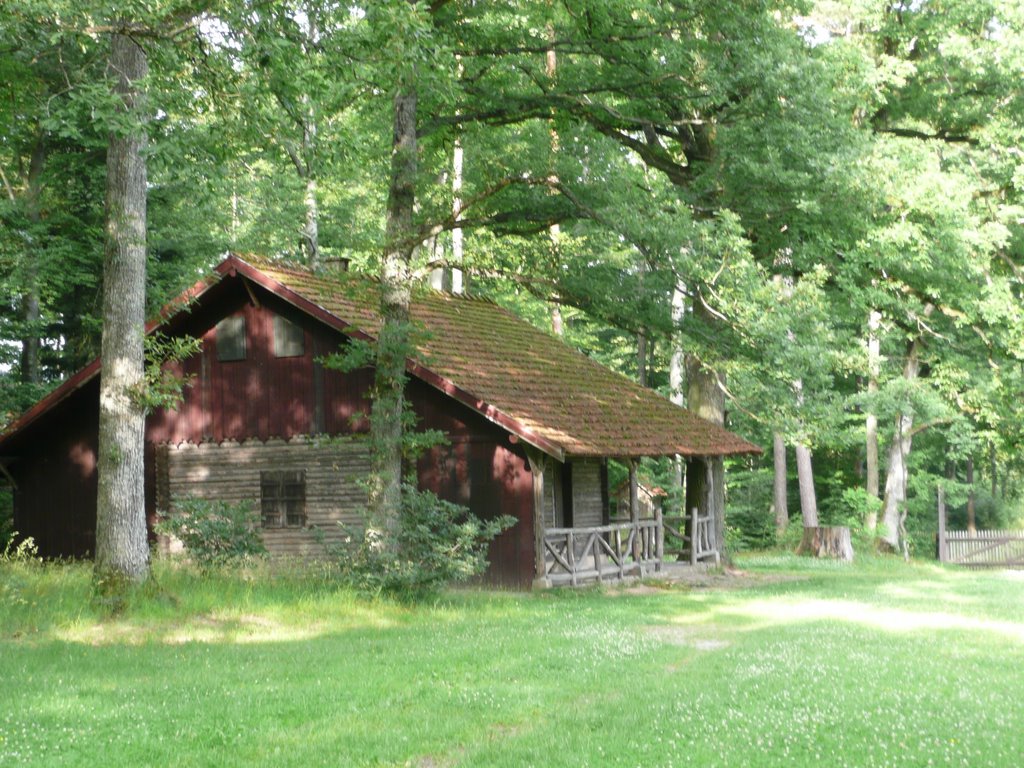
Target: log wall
{"x": 231, "y": 471}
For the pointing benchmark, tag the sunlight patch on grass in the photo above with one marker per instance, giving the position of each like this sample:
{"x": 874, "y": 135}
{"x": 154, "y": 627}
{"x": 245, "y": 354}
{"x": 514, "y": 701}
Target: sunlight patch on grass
{"x": 878, "y": 617}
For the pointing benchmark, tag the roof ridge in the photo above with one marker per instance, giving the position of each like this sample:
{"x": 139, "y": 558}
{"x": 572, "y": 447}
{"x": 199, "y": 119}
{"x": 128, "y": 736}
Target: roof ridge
{"x": 259, "y": 261}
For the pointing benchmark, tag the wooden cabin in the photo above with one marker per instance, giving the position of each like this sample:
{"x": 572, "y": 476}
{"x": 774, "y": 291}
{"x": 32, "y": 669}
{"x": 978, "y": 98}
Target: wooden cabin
{"x": 530, "y": 426}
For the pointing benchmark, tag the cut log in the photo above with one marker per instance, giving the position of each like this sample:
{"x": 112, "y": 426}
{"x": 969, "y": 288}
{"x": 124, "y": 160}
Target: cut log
{"x": 827, "y": 541}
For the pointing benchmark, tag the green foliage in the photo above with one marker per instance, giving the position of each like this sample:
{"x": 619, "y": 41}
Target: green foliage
{"x": 161, "y": 386}
{"x": 215, "y": 533}
{"x": 436, "y": 543}
{"x": 750, "y": 523}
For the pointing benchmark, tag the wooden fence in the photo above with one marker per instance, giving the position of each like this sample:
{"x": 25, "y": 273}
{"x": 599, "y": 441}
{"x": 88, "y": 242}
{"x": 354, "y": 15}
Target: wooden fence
{"x": 984, "y": 549}
{"x": 978, "y": 549}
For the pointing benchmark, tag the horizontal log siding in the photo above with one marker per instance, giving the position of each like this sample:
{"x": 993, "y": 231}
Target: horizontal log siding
{"x": 587, "y": 506}
{"x": 231, "y": 472}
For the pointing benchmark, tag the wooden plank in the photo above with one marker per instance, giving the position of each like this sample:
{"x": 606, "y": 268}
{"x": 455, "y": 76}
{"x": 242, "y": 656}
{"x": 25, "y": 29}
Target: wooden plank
{"x": 537, "y": 459}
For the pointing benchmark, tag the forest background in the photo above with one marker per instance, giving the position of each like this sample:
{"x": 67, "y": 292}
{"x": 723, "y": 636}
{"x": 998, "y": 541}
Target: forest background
{"x": 803, "y": 218}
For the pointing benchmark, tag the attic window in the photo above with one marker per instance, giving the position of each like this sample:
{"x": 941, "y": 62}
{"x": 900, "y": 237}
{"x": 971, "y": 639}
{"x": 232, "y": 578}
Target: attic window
{"x": 289, "y": 338}
{"x": 283, "y": 498}
{"x": 230, "y": 335}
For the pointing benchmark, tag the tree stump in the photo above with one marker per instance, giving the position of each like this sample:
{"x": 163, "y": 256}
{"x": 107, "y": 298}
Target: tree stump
{"x": 827, "y": 541}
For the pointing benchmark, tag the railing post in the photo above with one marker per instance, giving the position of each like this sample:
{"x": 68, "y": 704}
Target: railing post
{"x": 659, "y": 537}
{"x": 571, "y": 555}
{"x": 694, "y": 536}
{"x": 634, "y": 509}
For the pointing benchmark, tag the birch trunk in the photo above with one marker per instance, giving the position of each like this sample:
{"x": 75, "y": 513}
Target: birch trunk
{"x": 385, "y": 489}
{"x": 897, "y": 475}
{"x": 122, "y": 551}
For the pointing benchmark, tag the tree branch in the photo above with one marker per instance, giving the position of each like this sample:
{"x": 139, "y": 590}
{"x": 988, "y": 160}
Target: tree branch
{"x": 949, "y": 138}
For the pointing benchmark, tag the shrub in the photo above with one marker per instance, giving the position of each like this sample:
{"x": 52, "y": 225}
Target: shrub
{"x": 215, "y": 533}
{"x": 436, "y": 543}
{"x": 25, "y": 552}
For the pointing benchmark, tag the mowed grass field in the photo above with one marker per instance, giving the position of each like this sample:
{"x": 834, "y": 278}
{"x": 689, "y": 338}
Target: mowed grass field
{"x": 791, "y": 663}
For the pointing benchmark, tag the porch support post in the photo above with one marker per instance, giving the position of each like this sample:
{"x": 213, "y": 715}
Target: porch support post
{"x": 696, "y": 502}
{"x": 634, "y": 513}
{"x": 538, "y": 461}
{"x": 659, "y": 538}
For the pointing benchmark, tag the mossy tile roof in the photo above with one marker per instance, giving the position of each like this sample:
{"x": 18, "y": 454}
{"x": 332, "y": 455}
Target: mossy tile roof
{"x": 519, "y": 375}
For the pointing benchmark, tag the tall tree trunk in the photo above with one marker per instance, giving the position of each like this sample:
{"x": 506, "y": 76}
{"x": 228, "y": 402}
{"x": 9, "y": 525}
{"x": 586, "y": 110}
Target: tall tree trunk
{"x": 557, "y": 326}
{"x": 779, "y": 496}
{"x": 641, "y": 359}
{"x": 385, "y": 491}
{"x": 675, "y": 377}
{"x": 310, "y": 237}
{"x": 554, "y": 231}
{"x": 897, "y": 475}
{"x": 705, "y": 396}
{"x": 122, "y": 552}
{"x": 31, "y": 372}
{"x": 993, "y": 469}
{"x": 450, "y": 276}
{"x": 311, "y": 230}
{"x": 871, "y": 420}
{"x": 805, "y": 476}
{"x": 457, "y": 243}
{"x": 972, "y": 523}
{"x": 804, "y": 469}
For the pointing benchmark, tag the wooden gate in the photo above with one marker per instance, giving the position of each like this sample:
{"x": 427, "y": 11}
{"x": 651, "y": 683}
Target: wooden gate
{"x": 978, "y": 549}
{"x": 984, "y": 549}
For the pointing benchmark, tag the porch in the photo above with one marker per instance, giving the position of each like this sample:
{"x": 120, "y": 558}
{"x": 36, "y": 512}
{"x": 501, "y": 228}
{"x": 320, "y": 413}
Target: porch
{"x": 627, "y": 549}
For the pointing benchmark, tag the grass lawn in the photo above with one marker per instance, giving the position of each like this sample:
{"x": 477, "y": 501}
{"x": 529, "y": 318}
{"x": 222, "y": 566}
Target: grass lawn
{"x": 799, "y": 663}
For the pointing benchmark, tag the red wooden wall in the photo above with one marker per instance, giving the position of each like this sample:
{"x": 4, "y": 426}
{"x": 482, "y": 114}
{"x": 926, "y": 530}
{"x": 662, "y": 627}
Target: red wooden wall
{"x": 264, "y": 396}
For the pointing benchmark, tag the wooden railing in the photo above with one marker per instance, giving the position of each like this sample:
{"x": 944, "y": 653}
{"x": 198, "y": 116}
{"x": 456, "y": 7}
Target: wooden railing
{"x": 615, "y": 551}
{"x": 677, "y": 539}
